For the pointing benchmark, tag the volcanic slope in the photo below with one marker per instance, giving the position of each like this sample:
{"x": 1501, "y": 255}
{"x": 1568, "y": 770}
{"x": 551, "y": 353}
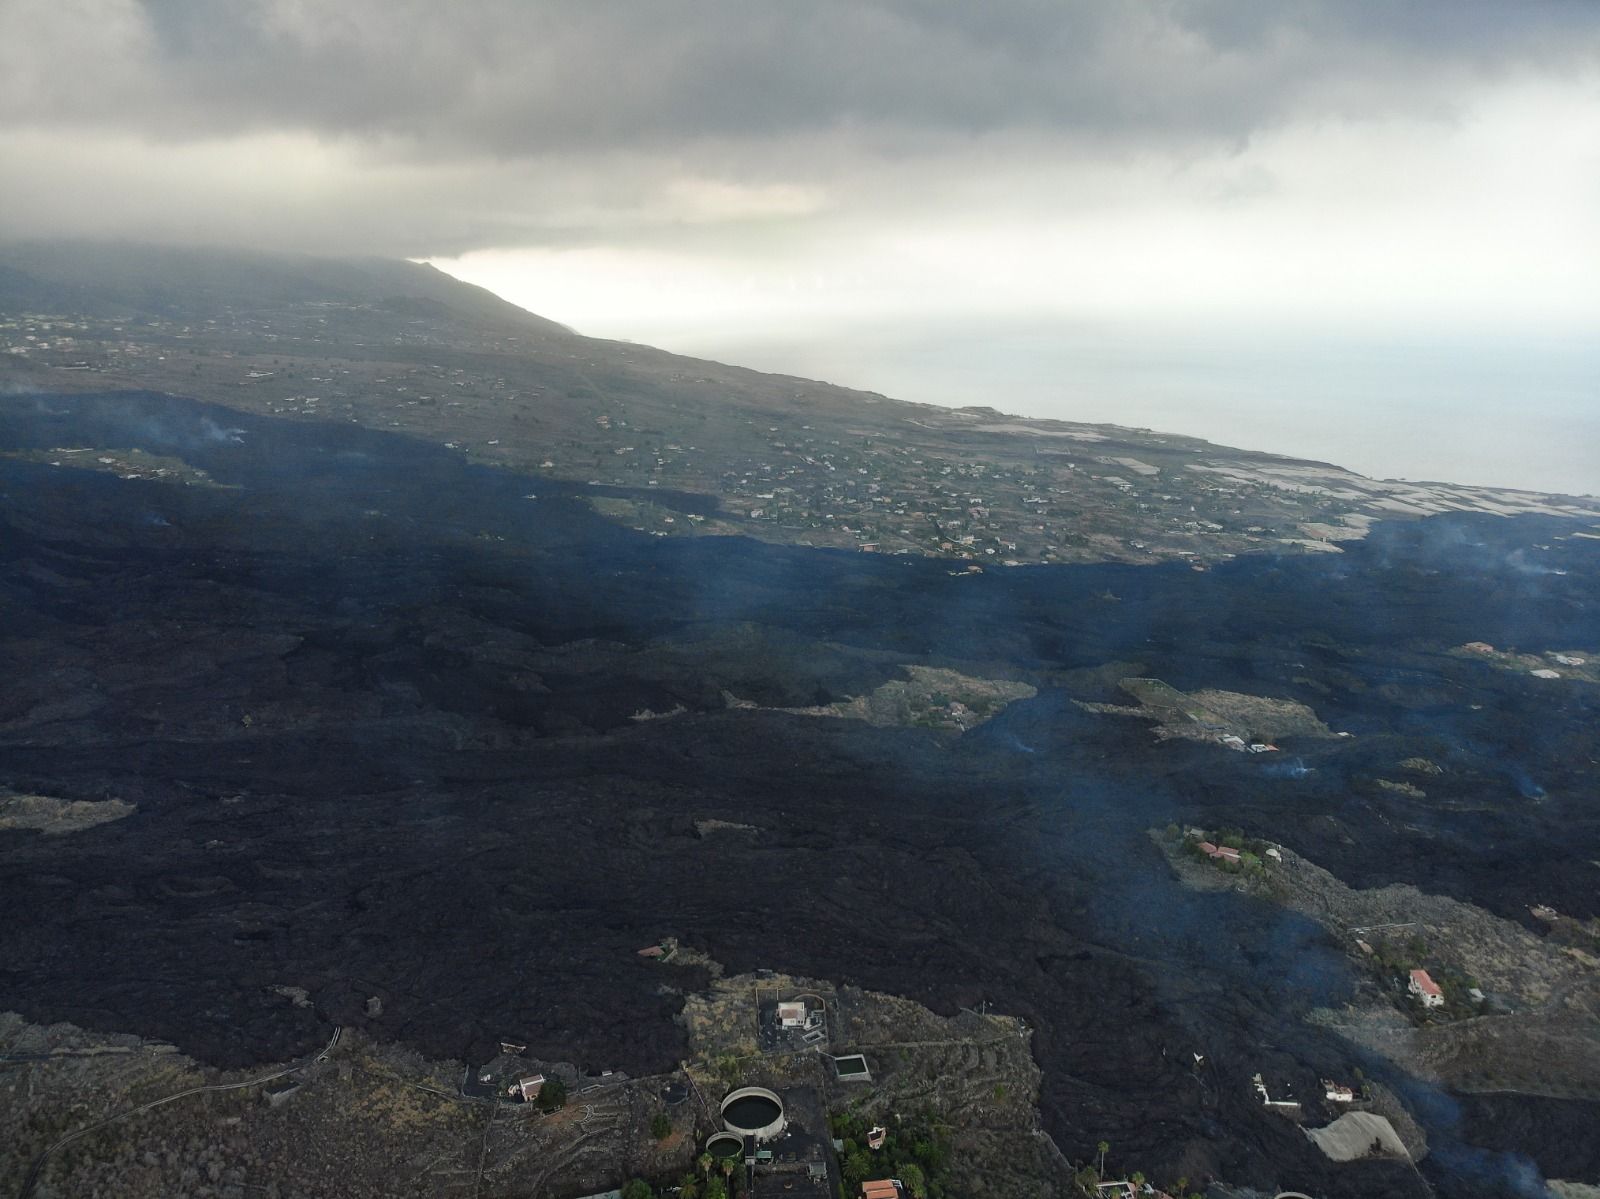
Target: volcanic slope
{"x": 398, "y": 346}
{"x": 374, "y": 708}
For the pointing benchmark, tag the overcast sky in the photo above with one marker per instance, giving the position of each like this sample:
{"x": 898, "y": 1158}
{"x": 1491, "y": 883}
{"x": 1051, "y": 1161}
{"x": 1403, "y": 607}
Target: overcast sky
{"x": 1254, "y": 220}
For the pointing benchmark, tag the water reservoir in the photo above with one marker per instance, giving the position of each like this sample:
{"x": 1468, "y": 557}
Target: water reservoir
{"x": 753, "y": 1112}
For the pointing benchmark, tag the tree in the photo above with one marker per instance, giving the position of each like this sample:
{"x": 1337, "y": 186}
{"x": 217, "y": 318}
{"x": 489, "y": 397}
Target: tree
{"x": 857, "y": 1166}
{"x": 660, "y": 1126}
{"x": 637, "y": 1188}
{"x": 552, "y": 1096}
{"x": 716, "y": 1189}
{"x": 1104, "y": 1147}
{"x": 704, "y": 1161}
{"x": 688, "y": 1187}
{"x": 916, "y": 1182}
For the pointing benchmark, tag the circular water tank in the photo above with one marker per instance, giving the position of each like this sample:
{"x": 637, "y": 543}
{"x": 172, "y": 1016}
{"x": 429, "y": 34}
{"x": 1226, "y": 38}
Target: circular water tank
{"x": 753, "y": 1112}
{"x": 725, "y": 1144}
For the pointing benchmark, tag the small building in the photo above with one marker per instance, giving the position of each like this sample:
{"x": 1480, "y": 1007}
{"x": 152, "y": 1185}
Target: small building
{"x": 1283, "y": 1107}
{"x": 510, "y": 1050}
{"x": 652, "y": 951}
{"x": 792, "y": 1015}
{"x": 280, "y": 1093}
{"x": 1337, "y": 1092}
{"x": 1479, "y": 647}
{"x": 1275, "y": 853}
{"x": 1224, "y": 853}
{"x": 1425, "y": 989}
{"x": 528, "y": 1088}
{"x": 876, "y": 1136}
{"x": 883, "y": 1188}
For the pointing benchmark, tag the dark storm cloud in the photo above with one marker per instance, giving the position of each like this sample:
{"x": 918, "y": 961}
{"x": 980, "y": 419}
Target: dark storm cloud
{"x": 522, "y": 78}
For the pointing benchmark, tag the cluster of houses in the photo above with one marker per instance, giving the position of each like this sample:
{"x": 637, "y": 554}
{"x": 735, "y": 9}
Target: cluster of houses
{"x": 1333, "y": 1092}
{"x": 1235, "y": 742}
{"x": 1227, "y": 853}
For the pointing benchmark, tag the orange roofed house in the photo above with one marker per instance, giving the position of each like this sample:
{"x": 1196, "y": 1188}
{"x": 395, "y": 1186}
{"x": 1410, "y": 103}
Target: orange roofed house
{"x": 883, "y": 1188}
{"x": 1425, "y": 989}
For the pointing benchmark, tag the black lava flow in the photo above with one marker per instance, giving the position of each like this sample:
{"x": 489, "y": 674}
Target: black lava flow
{"x": 376, "y": 708}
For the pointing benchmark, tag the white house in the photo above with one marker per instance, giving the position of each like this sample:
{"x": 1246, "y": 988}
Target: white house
{"x": 530, "y": 1087}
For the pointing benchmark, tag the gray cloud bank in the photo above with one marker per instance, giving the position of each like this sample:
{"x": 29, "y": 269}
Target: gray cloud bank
{"x": 514, "y": 78}
{"x": 422, "y": 127}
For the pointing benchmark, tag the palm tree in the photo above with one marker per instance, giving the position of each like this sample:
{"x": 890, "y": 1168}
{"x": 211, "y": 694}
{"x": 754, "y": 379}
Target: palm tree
{"x": 688, "y": 1187}
{"x": 704, "y": 1162}
{"x": 1104, "y": 1147}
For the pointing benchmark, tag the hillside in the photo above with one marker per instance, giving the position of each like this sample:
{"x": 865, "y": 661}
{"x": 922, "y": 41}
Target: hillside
{"x": 129, "y": 280}
{"x": 385, "y": 681}
{"x": 397, "y": 346}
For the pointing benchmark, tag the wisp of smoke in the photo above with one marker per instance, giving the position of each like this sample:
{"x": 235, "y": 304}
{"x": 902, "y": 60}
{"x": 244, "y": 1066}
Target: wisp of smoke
{"x": 1294, "y": 768}
{"x": 214, "y": 432}
{"x": 1526, "y": 787}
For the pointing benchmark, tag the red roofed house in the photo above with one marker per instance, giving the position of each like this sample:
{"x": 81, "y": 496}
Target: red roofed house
{"x": 883, "y": 1188}
{"x": 792, "y": 1015}
{"x": 1425, "y": 989}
